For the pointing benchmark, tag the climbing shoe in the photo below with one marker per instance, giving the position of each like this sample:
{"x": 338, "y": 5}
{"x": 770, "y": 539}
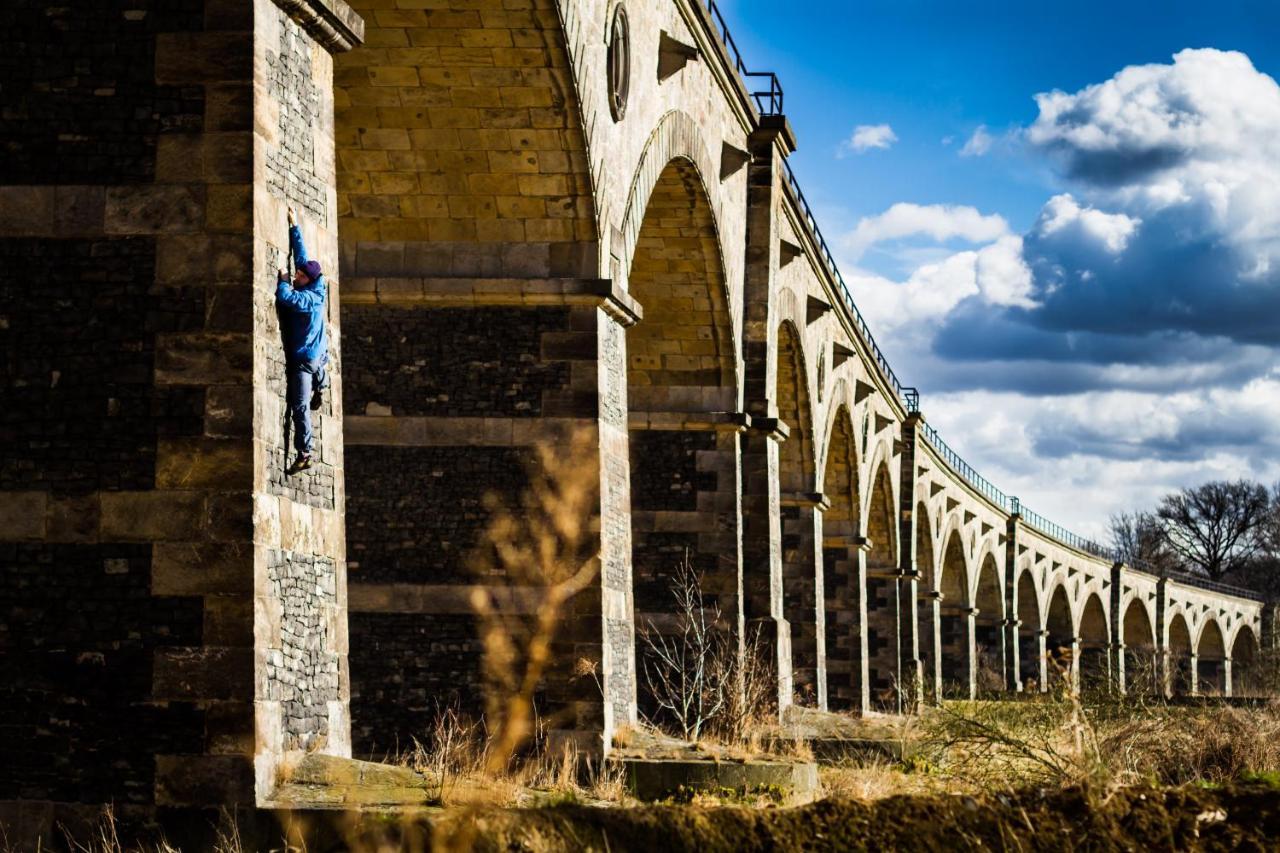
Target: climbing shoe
{"x": 302, "y": 463}
{"x": 316, "y": 399}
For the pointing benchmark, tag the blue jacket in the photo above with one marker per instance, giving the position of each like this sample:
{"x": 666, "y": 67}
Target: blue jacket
{"x": 301, "y": 310}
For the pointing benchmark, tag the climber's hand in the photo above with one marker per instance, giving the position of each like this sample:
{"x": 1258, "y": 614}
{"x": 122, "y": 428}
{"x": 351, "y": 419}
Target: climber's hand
{"x": 293, "y": 219}
{"x": 282, "y": 275}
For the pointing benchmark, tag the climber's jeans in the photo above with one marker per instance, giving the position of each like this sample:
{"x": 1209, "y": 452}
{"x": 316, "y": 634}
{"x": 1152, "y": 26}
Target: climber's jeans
{"x": 303, "y": 378}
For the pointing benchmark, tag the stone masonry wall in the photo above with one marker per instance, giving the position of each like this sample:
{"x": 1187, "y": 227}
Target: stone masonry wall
{"x": 123, "y": 545}
{"x": 130, "y": 282}
{"x": 301, "y": 675}
{"x": 461, "y": 145}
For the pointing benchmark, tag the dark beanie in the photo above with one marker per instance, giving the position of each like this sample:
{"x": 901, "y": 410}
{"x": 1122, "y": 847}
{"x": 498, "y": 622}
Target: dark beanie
{"x": 312, "y": 269}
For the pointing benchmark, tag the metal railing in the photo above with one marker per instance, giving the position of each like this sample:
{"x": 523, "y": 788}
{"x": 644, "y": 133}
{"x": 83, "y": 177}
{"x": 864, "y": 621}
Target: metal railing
{"x": 984, "y": 486}
{"x": 1062, "y": 534}
{"x": 1216, "y": 586}
{"x": 829, "y": 261}
{"x": 768, "y": 101}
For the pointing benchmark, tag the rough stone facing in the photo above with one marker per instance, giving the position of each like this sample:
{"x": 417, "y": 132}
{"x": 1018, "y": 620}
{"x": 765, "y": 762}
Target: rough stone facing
{"x": 302, "y": 673}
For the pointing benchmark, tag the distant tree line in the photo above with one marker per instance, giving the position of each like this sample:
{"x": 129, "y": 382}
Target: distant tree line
{"x": 1223, "y": 530}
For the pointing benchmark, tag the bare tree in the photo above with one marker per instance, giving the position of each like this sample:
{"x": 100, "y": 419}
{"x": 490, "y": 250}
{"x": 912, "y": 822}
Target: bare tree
{"x": 681, "y": 664}
{"x": 1215, "y": 527}
{"x": 1138, "y": 538}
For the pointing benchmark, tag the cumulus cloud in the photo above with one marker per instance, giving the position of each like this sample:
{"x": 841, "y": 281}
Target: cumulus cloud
{"x": 1126, "y": 343}
{"x": 1172, "y": 228}
{"x": 979, "y": 143}
{"x": 868, "y": 136}
{"x": 939, "y": 222}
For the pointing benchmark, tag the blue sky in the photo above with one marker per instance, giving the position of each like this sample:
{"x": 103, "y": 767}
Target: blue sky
{"x": 1081, "y": 284}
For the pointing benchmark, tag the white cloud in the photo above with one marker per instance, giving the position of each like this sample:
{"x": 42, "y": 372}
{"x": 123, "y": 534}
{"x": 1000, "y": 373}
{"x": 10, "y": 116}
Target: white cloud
{"x": 1125, "y": 344}
{"x": 1062, "y": 215}
{"x": 868, "y": 136}
{"x": 979, "y": 143}
{"x": 937, "y": 221}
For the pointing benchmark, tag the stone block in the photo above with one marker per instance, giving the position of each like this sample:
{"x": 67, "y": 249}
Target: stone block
{"x": 154, "y": 516}
{"x": 199, "y": 463}
{"x": 79, "y": 210}
{"x": 185, "y": 568}
{"x": 158, "y": 209}
{"x": 26, "y": 211}
{"x": 22, "y": 515}
{"x": 203, "y": 672}
{"x": 212, "y": 57}
{"x": 74, "y": 519}
{"x": 204, "y": 780}
{"x": 204, "y": 359}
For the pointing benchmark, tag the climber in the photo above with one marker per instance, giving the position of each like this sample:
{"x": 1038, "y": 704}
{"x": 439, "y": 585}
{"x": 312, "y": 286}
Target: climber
{"x": 300, "y": 305}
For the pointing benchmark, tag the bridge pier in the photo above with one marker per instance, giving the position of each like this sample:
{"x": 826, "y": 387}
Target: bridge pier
{"x": 803, "y": 592}
{"x": 763, "y": 581}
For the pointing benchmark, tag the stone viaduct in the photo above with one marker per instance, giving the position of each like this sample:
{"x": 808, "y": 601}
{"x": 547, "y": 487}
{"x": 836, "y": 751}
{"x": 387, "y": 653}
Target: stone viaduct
{"x": 538, "y": 216}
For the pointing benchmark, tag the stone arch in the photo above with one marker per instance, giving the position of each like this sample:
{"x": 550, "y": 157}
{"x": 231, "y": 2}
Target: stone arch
{"x": 927, "y": 605}
{"x": 1180, "y": 670}
{"x": 1211, "y": 659}
{"x": 1246, "y": 664}
{"x": 1139, "y": 638}
{"x": 883, "y": 670}
{"x": 1094, "y": 641}
{"x": 1060, "y": 635}
{"x": 988, "y": 626}
{"x": 676, "y": 136}
{"x": 499, "y": 193}
{"x": 681, "y": 377}
{"x": 1029, "y": 626}
{"x": 841, "y": 542}
{"x": 954, "y": 629}
{"x": 800, "y": 517}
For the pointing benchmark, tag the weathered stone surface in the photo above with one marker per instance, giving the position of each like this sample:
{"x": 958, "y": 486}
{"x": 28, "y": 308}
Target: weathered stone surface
{"x": 653, "y": 779}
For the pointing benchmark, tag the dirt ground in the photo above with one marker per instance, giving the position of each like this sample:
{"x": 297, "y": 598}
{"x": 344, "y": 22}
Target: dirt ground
{"x": 1242, "y": 816}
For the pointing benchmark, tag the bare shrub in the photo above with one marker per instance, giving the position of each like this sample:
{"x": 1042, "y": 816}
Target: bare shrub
{"x": 533, "y": 560}
{"x": 683, "y": 665}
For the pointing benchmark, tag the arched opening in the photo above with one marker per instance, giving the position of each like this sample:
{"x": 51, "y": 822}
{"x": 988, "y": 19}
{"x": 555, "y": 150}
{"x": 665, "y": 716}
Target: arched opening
{"x": 1180, "y": 674}
{"x": 680, "y": 370}
{"x": 927, "y": 606}
{"x": 883, "y": 670}
{"x": 1211, "y": 664}
{"x": 988, "y": 629}
{"x": 954, "y": 623}
{"x": 1246, "y": 671}
{"x": 1140, "y": 673}
{"x": 1095, "y": 637}
{"x": 800, "y": 517}
{"x": 1060, "y": 639}
{"x": 1029, "y": 627}
{"x": 844, "y": 689}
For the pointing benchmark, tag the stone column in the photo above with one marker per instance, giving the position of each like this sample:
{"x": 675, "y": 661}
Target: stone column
{"x": 911, "y": 688}
{"x": 762, "y": 575}
{"x": 761, "y": 519}
{"x": 1164, "y": 662}
{"x": 1042, "y": 656}
{"x": 1012, "y": 653}
{"x": 302, "y": 686}
{"x": 180, "y": 590}
{"x": 1115, "y": 651}
{"x": 844, "y": 579}
{"x": 802, "y": 585}
{"x": 932, "y": 676}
